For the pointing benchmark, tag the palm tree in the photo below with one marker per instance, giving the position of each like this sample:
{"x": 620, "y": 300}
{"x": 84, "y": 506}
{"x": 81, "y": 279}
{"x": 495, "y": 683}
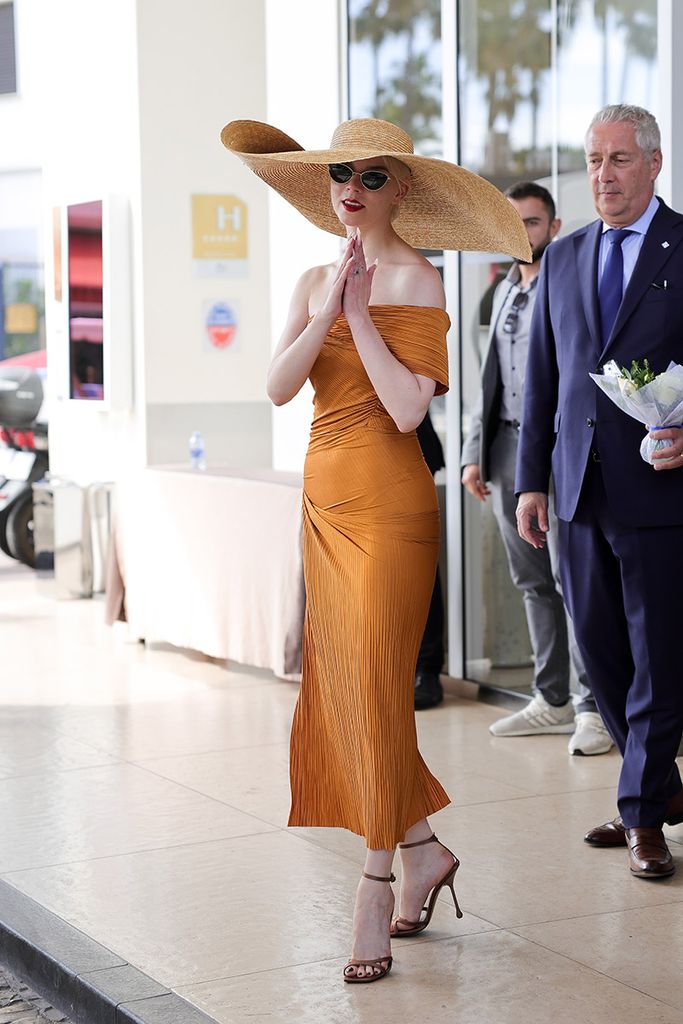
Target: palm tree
{"x": 411, "y": 96}
{"x": 638, "y": 21}
{"x": 368, "y": 26}
{"x": 512, "y": 43}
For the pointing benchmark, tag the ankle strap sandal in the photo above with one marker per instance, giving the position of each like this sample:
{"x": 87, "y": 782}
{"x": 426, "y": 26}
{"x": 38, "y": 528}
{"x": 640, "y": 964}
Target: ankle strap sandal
{"x": 401, "y": 927}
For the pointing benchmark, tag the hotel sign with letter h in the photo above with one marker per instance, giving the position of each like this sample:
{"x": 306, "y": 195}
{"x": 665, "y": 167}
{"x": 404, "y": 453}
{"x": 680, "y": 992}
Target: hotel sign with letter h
{"x": 219, "y": 236}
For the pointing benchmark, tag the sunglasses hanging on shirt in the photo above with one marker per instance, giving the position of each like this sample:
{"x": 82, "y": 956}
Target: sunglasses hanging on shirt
{"x": 373, "y": 181}
{"x": 518, "y": 303}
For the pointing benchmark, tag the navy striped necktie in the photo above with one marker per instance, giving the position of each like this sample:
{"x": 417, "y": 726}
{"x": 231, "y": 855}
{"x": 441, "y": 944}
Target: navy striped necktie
{"x": 611, "y": 287}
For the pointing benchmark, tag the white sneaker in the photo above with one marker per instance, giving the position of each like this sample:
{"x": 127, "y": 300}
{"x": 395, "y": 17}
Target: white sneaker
{"x": 590, "y": 736}
{"x": 537, "y": 717}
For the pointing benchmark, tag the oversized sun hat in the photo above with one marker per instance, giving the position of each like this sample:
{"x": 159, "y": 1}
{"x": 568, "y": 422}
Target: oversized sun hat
{"x": 446, "y": 207}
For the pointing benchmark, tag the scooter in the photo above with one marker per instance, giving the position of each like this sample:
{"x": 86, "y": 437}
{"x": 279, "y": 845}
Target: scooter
{"x": 23, "y": 458}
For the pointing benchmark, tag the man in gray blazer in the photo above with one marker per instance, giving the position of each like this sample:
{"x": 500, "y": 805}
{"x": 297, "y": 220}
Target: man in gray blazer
{"x": 490, "y": 454}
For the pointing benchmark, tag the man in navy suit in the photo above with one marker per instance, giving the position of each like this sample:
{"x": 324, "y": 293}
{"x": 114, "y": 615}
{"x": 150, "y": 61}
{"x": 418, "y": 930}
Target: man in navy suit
{"x": 614, "y": 290}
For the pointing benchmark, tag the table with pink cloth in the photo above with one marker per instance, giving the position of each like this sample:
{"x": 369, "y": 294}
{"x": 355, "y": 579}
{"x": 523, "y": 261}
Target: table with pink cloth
{"x": 211, "y": 561}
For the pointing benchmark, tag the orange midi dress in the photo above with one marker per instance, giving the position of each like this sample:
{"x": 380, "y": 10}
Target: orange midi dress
{"x": 371, "y": 542}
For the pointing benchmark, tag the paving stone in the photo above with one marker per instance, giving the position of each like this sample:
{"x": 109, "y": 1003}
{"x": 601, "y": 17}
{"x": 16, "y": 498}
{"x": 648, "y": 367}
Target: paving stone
{"x": 19, "y": 1005}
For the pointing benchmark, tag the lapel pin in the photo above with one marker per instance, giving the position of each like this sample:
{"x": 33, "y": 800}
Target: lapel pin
{"x": 665, "y": 245}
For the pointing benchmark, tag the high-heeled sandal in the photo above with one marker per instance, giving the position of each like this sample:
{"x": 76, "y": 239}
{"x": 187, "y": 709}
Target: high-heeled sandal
{"x": 413, "y": 927}
{"x": 382, "y": 965}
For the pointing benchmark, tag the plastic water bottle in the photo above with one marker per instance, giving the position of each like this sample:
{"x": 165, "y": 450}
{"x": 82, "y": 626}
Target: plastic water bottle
{"x": 197, "y": 459}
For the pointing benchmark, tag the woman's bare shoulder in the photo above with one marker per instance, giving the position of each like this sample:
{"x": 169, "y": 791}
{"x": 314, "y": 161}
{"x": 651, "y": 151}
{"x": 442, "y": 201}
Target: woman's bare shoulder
{"x": 417, "y": 278}
{"x": 317, "y": 281}
{"x": 316, "y": 277}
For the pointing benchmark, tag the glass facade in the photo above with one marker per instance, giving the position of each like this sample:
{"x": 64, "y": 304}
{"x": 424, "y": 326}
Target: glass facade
{"x": 394, "y": 66}
{"x": 530, "y": 75}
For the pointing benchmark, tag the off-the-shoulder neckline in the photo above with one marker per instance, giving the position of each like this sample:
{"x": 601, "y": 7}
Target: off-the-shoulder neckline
{"x": 395, "y": 305}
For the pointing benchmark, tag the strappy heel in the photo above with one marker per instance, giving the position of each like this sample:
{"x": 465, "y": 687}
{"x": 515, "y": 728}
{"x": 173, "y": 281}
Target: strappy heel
{"x": 413, "y": 927}
{"x": 382, "y": 964}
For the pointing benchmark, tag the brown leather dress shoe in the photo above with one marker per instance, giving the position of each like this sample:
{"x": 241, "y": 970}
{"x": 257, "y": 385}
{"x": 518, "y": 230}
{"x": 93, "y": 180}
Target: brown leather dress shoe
{"x": 648, "y": 854}
{"x": 612, "y": 833}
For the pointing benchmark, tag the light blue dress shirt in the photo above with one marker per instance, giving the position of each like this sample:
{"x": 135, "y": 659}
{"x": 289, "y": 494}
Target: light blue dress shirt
{"x": 631, "y": 245}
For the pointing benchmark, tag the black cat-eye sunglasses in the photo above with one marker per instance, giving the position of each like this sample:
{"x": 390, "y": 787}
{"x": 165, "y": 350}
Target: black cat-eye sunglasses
{"x": 370, "y": 180}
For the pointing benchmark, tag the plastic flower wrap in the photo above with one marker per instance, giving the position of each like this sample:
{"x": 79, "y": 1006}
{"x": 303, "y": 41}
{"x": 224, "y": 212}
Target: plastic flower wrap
{"x": 655, "y": 400}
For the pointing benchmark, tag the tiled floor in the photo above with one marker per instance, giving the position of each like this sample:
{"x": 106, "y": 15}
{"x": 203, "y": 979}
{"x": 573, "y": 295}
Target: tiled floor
{"x": 143, "y": 796}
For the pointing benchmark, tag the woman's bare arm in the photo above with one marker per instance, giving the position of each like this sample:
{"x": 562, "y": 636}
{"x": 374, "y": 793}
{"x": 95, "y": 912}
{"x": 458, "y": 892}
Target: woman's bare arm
{"x": 405, "y": 395}
{"x": 301, "y": 341}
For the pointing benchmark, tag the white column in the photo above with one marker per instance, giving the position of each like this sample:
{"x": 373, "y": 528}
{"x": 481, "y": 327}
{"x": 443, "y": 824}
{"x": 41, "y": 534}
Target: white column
{"x": 670, "y": 102}
{"x": 454, "y": 518}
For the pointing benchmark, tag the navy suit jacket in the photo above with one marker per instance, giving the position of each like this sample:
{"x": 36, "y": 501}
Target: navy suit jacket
{"x": 565, "y": 413}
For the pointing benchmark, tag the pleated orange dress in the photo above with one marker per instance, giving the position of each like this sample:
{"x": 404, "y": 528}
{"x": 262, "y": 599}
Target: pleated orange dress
{"x": 371, "y": 543}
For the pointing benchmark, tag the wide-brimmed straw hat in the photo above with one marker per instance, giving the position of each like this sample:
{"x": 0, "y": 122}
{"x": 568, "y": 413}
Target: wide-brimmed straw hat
{"x": 446, "y": 207}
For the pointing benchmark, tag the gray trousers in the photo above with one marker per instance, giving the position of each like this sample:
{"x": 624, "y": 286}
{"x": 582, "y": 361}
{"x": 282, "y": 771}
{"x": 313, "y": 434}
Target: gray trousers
{"x": 535, "y": 573}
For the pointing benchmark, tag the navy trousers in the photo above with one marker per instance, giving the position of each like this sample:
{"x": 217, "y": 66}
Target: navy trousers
{"x": 624, "y": 591}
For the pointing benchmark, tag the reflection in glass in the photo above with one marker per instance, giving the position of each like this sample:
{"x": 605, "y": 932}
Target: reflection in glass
{"x": 86, "y": 369}
{"x": 506, "y": 134}
{"x": 606, "y": 53}
{"x": 395, "y": 66}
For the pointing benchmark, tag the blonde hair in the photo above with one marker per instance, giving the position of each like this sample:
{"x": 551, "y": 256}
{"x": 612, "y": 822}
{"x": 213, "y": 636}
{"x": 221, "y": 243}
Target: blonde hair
{"x": 402, "y": 174}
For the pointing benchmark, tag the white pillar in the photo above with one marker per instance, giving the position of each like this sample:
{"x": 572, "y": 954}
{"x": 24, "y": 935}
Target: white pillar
{"x": 454, "y": 509}
{"x": 670, "y": 102}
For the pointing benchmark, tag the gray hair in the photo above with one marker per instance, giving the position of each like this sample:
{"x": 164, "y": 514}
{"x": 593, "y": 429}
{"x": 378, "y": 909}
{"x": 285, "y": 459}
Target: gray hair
{"x": 644, "y": 124}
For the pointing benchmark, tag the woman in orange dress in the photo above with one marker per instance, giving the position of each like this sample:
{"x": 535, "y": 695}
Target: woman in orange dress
{"x": 370, "y": 334}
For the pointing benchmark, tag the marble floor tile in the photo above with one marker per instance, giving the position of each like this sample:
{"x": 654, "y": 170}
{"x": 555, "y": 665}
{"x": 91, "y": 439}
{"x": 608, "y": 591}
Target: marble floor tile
{"x": 252, "y": 779}
{"x": 641, "y": 948}
{"x": 97, "y": 812}
{"x": 27, "y": 748}
{"x": 453, "y": 744}
{"x": 493, "y": 978}
{"x": 189, "y": 723}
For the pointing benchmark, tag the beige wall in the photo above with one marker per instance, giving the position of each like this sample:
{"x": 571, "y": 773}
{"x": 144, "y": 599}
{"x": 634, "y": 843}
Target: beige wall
{"x": 191, "y": 84}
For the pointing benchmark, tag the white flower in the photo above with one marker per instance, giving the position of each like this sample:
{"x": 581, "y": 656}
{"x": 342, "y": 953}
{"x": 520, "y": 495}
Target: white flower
{"x": 626, "y": 386}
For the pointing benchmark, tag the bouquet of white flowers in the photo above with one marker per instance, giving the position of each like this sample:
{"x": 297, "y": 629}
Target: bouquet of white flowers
{"x": 653, "y": 399}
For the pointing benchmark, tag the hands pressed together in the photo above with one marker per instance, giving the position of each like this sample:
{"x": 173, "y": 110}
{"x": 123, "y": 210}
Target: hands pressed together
{"x": 350, "y": 289}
